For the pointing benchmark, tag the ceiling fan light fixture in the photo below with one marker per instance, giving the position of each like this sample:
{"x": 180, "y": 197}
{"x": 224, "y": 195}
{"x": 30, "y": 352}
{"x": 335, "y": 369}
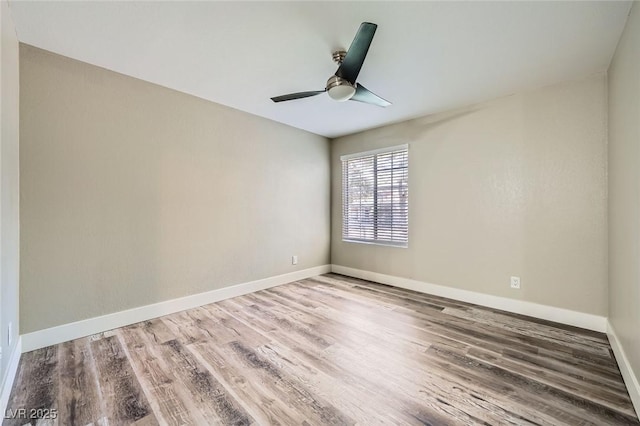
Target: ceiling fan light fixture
{"x": 339, "y": 89}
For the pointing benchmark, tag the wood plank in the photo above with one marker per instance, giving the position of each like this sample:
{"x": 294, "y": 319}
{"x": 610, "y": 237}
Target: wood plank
{"x": 35, "y": 386}
{"x": 170, "y": 402}
{"x": 158, "y": 331}
{"x": 185, "y": 328}
{"x": 291, "y": 390}
{"x": 599, "y": 395}
{"x": 563, "y": 366}
{"x": 569, "y": 408}
{"x": 79, "y": 388}
{"x": 261, "y": 400}
{"x": 209, "y": 396}
{"x": 553, "y": 334}
{"x": 125, "y": 401}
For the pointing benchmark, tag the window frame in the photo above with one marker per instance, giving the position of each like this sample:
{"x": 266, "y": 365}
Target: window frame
{"x": 372, "y": 153}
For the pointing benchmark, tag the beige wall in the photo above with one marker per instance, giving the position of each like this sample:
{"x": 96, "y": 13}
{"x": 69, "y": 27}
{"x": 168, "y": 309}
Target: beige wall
{"x": 133, "y": 193}
{"x": 9, "y": 189}
{"x": 624, "y": 190}
{"x": 516, "y": 186}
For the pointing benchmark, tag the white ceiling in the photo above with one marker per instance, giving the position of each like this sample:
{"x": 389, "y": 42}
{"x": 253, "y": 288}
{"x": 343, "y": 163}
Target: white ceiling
{"x": 426, "y": 56}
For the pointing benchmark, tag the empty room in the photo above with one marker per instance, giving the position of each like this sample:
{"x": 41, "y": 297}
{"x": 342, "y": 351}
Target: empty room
{"x": 310, "y": 213}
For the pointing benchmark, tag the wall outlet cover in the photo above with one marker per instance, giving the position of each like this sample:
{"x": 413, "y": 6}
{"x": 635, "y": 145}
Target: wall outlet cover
{"x": 515, "y": 282}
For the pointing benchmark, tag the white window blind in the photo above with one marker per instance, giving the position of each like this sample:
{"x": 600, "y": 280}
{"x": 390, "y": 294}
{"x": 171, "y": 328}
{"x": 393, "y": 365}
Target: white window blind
{"x": 375, "y": 191}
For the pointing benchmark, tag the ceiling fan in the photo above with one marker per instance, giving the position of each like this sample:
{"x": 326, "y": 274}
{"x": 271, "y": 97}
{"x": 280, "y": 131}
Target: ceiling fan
{"x": 342, "y": 86}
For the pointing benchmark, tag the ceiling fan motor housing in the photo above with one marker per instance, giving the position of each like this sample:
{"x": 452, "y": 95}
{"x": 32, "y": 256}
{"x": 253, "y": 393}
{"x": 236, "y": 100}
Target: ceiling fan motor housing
{"x": 340, "y": 89}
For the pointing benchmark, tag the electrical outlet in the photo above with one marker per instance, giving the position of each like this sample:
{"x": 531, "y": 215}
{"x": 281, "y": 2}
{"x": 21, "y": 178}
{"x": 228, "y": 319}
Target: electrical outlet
{"x": 9, "y": 336}
{"x": 294, "y": 260}
{"x": 515, "y": 282}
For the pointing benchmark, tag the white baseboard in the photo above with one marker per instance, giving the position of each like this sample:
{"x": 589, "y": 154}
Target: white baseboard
{"x": 550, "y": 313}
{"x": 12, "y": 369}
{"x": 62, "y": 333}
{"x": 630, "y": 378}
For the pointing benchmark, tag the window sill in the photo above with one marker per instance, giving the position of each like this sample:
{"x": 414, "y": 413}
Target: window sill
{"x": 377, "y": 243}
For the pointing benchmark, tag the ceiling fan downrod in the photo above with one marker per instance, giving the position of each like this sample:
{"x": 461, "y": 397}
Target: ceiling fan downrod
{"x": 338, "y": 56}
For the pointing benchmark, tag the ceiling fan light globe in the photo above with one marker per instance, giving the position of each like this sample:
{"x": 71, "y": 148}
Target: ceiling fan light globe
{"x": 342, "y": 93}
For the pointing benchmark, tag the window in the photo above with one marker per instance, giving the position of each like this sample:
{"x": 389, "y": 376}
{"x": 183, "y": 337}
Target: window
{"x": 375, "y": 203}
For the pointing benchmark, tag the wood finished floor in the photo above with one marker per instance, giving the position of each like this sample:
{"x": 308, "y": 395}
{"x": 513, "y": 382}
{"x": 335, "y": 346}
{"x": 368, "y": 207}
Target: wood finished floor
{"x": 329, "y": 350}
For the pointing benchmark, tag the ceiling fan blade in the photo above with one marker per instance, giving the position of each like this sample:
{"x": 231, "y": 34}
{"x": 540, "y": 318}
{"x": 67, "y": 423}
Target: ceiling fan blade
{"x": 364, "y": 95}
{"x": 299, "y": 95}
{"x": 350, "y": 67}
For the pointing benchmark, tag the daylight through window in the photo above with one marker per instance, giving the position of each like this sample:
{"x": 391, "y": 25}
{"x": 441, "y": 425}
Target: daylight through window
{"x": 375, "y": 191}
